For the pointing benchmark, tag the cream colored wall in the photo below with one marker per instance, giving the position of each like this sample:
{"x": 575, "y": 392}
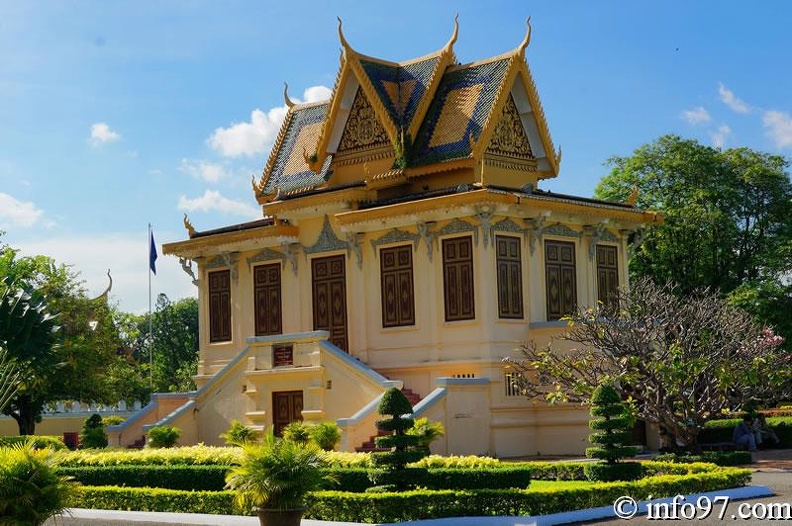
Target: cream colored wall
{"x": 417, "y": 355}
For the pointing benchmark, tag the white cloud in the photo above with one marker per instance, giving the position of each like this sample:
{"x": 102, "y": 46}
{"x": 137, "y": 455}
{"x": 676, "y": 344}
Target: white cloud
{"x": 779, "y": 127}
{"x": 19, "y": 213}
{"x": 213, "y": 200}
{"x": 729, "y": 99}
{"x": 101, "y": 133}
{"x": 258, "y": 135}
{"x": 720, "y": 135}
{"x": 697, "y": 115}
{"x": 126, "y": 255}
{"x": 209, "y": 172}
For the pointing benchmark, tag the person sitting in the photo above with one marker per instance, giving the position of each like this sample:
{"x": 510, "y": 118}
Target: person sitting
{"x": 743, "y": 434}
{"x": 763, "y": 433}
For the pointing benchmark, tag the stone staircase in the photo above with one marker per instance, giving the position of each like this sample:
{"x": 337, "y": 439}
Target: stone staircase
{"x": 369, "y": 446}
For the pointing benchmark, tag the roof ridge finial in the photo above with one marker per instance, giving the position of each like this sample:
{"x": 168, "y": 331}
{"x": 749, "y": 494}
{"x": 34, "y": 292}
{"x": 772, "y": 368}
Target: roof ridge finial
{"x": 454, "y": 35}
{"x": 527, "y": 39}
{"x": 289, "y": 102}
{"x": 347, "y": 48}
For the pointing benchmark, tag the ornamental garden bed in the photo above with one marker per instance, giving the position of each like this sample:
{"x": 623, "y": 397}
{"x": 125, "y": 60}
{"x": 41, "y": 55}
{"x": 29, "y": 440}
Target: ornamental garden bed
{"x": 190, "y": 480}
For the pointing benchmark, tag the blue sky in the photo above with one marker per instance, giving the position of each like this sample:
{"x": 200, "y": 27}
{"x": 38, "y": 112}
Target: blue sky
{"x": 114, "y": 115}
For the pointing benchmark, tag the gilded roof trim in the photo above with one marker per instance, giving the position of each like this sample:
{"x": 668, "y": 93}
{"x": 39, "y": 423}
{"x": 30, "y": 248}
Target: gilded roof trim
{"x": 190, "y": 247}
{"x": 488, "y": 196}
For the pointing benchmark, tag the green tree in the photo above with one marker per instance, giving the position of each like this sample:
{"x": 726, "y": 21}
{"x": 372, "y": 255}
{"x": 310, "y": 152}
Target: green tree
{"x": 728, "y": 221}
{"x": 174, "y": 344}
{"x": 84, "y": 351}
{"x": 680, "y": 360}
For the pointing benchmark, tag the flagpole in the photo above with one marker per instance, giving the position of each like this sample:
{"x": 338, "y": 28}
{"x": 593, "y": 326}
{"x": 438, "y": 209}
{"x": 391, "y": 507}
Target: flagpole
{"x": 150, "y": 340}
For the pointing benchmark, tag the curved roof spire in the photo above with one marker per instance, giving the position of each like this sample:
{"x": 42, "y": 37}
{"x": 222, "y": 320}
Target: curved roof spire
{"x": 449, "y": 46}
{"x": 347, "y": 48}
{"x": 289, "y": 102}
{"x": 527, "y": 39}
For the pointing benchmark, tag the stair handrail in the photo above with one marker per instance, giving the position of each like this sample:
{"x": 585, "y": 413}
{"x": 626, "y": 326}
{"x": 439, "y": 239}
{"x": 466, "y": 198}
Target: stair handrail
{"x": 359, "y": 366}
{"x": 429, "y": 402}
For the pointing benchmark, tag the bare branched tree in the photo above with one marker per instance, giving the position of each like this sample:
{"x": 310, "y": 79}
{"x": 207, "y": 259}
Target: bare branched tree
{"x": 679, "y": 360}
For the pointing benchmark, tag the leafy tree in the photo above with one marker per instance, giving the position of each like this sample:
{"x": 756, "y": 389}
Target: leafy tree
{"x": 81, "y": 354}
{"x": 28, "y": 330}
{"x": 680, "y": 360}
{"x": 174, "y": 344}
{"x": 728, "y": 221}
{"x": 10, "y": 377}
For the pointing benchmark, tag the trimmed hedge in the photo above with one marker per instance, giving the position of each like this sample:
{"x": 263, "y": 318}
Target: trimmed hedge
{"x": 719, "y": 458}
{"x": 417, "y": 505}
{"x": 721, "y": 430}
{"x": 414, "y": 505}
{"x": 212, "y": 478}
{"x": 187, "y": 455}
{"x": 195, "y": 478}
{"x": 148, "y": 499}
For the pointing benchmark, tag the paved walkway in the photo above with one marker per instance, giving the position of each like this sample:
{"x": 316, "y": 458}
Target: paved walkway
{"x": 772, "y": 483}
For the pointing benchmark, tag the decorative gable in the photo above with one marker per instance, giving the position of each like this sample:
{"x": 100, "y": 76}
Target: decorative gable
{"x": 509, "y": 138}
{"x": 363, "y": 131}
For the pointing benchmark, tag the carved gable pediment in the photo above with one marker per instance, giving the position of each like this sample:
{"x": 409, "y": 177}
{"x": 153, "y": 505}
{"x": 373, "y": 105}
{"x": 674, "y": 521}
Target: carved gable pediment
{"x": 363, "y": 132}
{"x": 509, "y": 140}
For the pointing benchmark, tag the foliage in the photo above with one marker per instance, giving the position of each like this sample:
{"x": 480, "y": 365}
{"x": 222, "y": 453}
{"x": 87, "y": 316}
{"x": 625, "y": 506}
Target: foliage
{"x": 426, "y": 431}
{"x": 35, "y": 441}
{"x": 112, "y": 420}
{"x": 185, "y": 455}
{"x": 31, "y": 489}
{"x": 721, "y": 430}
{"x": 678, "y": 361}
{"x": 326, "y": 435}
{"x": 93, "y": 435}
{"x": 174, "y": 344}
{"x": 297, "y": 432}
{"x": 719, "y": 458}
{"x": 276, "y": 474}
{"x": 194, "y": 478}
{"x": 730, "y": 208}
{"x": 154, "y": 499}
{"x": 82, "y": 360}
{"x": 239, "y": 434}
{"x": 403, "y": 446}
{"x": 163, "y": 436}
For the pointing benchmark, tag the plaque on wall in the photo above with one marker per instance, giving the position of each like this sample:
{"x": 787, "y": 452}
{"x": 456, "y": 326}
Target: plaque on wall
{"x": 283, "y": 355}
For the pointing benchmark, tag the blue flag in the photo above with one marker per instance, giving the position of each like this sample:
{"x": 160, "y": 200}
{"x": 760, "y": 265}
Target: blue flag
{"x": 153, "y": 255}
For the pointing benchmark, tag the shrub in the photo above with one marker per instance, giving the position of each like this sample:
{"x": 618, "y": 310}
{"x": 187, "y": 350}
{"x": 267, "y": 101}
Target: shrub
{"x": 395, "y": 405}
{"x": 325, "y": 435}
{"x": 93, "y": 435}
{"x": 163, "y": 436}
{"x": 719, "y": 458}
{"x": 612, "y": 425}
{"x": 426, "y": 431}
{"x": 185, "y": 455}
{"x": 36, "y": 441}
{"x": 296, "y": 431}
{"x": 276, "y": 474}
{"x": 112, "y": 420}
{"x": 151, "y": 499}
{"x": 182, "y": 477}
{"x": 239, "y": 434}
{"x": 31, "y": 489}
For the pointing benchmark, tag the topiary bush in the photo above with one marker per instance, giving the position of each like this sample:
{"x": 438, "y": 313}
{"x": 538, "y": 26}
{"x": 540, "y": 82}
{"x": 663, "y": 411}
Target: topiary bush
{"x": 403, "y": 447}
{"x": 612, "y": 425}
{"x": 239, "y": 434}
{"x": 31, "y": 489}
{"x": 93, "y": 435}
{"x": 163, "y": 436}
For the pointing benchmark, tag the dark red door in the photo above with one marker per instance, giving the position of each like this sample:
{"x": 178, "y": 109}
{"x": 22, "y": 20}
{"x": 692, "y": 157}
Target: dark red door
{"x": 329, "y": 298}
{"x": 287, "y": 407}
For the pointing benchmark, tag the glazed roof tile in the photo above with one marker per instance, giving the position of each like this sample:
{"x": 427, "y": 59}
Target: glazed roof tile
{"x": 401, "y": 87}
{"x": 459, "y": 110}
{"x": 290, "y": 171}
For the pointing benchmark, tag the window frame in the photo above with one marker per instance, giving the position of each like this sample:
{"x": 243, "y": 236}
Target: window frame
{"x": 456, "y": 274}
{"x": 509, "y": 306}
{"x": 400, "y": 318}
{"x": 220, "y": 298}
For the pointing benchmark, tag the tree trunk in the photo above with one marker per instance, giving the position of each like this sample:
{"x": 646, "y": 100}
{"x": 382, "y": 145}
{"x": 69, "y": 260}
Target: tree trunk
{"x": 25, "y": 415}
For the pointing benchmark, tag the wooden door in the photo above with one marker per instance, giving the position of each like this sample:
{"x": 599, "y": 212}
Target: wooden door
{"x": 267, "y": 299}
{"x": 329, "y": 298}
{"x": 287, "y": 407}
